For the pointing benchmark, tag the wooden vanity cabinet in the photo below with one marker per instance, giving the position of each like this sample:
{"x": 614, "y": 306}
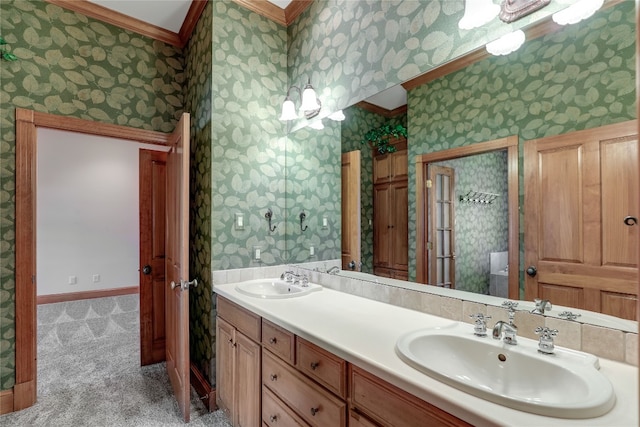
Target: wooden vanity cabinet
{"x": 373, "y": 401}
{"x": 238, "y": 363}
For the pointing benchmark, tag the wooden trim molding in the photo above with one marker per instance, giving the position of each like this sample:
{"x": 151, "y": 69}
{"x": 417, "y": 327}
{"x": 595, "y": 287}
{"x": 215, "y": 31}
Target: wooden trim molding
{"x": 27, "y": 123}
{"x": 509, "y": 143}
{"x": 76, "y": 296}
{"x": 6, "y": 401}
{"x": 270, "y": 11}
{"x": 138, "y": 26}
{"x": 205, "y": 392}
{"x": 372, "y": 108}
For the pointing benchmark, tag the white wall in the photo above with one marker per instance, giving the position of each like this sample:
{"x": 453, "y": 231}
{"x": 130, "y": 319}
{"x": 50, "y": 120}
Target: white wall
{"x": 87, "y": 212}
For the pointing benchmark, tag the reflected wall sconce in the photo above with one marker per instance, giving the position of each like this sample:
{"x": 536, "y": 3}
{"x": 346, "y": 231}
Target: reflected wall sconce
{"x": 507, "y": 43}
{"x": 309, "y": 103}
{"x": 578, "y": 11}
{"x": 338, "y": 116}
{"x": 303, "y": 216}
{"x": 269, "y": 216}
{"x": 477, "y": 13}
{"x": 317, "y": 125}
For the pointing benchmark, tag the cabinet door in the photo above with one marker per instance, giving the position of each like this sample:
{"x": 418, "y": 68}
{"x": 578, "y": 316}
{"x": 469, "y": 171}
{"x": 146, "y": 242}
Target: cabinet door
{"x": 399, "y": 205}
{"x": 247, "y": 386}
{"x": 224, "y": 366}
{"x": 399, "y": 165}
{"x": 381, "y": 169}
{"x": 381, "y": 226}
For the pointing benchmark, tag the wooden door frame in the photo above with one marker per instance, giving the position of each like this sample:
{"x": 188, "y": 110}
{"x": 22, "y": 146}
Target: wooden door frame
{"x": 27, "y": 124}
{"x": 509, "y": 143}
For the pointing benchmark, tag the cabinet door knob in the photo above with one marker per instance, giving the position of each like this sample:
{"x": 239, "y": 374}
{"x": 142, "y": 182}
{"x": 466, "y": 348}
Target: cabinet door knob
{"x": 273, "y": 418}
{"x": 314, "y": 411}
{"x": 314, "y": 365}
{"x": 273, "y": 377}
{"x": 273, "y": 340}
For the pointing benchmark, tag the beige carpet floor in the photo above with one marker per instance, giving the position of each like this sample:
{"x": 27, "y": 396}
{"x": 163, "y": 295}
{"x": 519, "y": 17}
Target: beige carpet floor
{"x": 89, "y": 371}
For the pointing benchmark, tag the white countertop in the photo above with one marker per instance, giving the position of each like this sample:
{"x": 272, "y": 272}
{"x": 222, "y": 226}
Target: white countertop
{"x": 364, "y": 332}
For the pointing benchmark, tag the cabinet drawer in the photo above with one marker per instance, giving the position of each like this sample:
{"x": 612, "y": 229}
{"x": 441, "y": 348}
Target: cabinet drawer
{"x": 279, "y": 341}
{"x": 358, "y": 420}
{"x": 315, "y": 405}
{"x": 324, "y": 367}
{"x": 246, "y": 322}
{"x": 276, "y": 413}
{"x": 391, "y": 406}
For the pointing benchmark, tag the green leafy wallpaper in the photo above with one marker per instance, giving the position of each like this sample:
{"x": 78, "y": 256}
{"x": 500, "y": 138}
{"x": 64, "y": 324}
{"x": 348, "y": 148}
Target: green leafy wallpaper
{"x": 581, "y": 77}
{"x": 198, "y": 60}
{"x": 72, "y": 65}
{"x": 354, "y": 49}
{"x": 480, "y": 228}
{"x": 356, "y": 124}
{"x": 314, "y": 187}
{"x": 248, "y": 155}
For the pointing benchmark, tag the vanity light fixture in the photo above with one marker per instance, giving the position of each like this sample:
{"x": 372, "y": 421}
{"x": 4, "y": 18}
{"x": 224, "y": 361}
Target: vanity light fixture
{"x": 309, "y": 103}
{"x": 338, "y": 116}
{"x": 507, "y": 43}
{"x": 477, "y": 13}
{"x": 578, "y": 11}
{"x": 317, "y": 125}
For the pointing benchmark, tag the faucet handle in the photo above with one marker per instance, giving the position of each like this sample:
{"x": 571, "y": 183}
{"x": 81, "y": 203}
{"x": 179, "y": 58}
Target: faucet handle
{"x": 510, "y": 305}
{"x": 542, "y": 305}
{"x": 480, "y": 328}
{"x": 569, "y": 315}
{"x": 545, "y": 345}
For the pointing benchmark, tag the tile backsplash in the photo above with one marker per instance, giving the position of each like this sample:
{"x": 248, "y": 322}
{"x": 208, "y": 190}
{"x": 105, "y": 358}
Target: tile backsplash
{"x": 604, "y": 342}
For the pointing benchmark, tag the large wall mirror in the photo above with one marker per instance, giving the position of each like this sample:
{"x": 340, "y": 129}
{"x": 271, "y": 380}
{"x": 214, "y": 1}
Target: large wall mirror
{"x": 574, "y": 78}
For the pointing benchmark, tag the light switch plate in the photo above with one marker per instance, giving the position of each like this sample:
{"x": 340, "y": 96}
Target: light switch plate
{"x": 239, "y": 222}
{"x": 256, "y": 253}
{"x": 325, "y": 222}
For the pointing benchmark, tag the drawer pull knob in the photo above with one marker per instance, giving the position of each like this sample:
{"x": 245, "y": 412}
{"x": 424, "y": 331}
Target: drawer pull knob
{"x": 314, "y": 365}
{"x": 273, "y": 340}
{"x": 273, "y": 418}
{"x": 273, "y": 377}
{"x": 314, "y": 411}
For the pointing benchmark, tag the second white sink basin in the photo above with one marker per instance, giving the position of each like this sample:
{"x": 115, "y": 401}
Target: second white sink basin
{"x": 275, "y": 288}
{"x": 566, "y": 384}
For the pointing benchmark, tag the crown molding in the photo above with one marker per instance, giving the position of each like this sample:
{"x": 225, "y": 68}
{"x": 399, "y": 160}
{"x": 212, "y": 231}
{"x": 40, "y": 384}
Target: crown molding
{"x": 372, "y": 108}
{"x": 269, "y": 10}
{"x": 121, "y": 20}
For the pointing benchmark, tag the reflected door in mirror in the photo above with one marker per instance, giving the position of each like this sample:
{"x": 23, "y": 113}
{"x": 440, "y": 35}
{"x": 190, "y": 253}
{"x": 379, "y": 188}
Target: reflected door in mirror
{"x": 351, "y": 209}
{"x": 442, "y": 253}
{"x": 579, "y": 188}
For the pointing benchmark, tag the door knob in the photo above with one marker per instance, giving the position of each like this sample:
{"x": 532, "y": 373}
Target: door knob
{"x": 146, "y": 269}
{"x": 631, "y": 220}
{"x": 184, "y": 285}
{"x": 531, "y": 271}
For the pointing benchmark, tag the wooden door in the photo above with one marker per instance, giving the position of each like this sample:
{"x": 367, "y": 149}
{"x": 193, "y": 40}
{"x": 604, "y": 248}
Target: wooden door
{"x": 579, "y": 188}
{"x": 177, "y": 265}
{"x": 350, "y": 208}
{"x": 399, "y": 208}
{"x": 442, "y": 226}
{"x": 152, "y": 269}
{"x": 381, "y": 226}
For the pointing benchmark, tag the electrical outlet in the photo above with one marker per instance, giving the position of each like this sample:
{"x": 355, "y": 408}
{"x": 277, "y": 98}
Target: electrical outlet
{"x": 96, "y": 278}
{"x": 256, "y": 253}
{"x": 312, "y": 250}
{"x": 325, "y": 222}
{"x": 73, "y": 280}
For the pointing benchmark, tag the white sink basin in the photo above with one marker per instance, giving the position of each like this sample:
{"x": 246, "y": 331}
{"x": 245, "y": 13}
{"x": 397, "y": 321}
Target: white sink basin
{"x": 275, "y": 288}
{"x": 566, "y": 384}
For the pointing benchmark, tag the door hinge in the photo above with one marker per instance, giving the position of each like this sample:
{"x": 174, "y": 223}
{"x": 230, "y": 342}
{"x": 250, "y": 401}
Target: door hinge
{"x": 428, "y": 183}
{"x": 33, "y": 279}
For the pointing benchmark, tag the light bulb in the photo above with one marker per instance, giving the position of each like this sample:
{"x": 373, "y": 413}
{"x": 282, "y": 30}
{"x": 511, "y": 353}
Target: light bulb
{"x": 288, "y": 110}
{"x": 478, "y": 13}
{"x": 309, "y": 99}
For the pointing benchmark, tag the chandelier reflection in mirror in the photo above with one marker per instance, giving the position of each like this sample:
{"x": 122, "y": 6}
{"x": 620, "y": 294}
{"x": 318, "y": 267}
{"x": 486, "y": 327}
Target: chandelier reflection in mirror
{"x": 309, "y": 103}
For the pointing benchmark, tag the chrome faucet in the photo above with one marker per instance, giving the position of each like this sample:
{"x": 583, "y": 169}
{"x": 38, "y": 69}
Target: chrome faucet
{"x": 507, "y": 331}
{"x": 542, "y": 305}
{"x": 333, "y": 270}
{"x": 289, "y": 276}
{"x": 545, "y": 345}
